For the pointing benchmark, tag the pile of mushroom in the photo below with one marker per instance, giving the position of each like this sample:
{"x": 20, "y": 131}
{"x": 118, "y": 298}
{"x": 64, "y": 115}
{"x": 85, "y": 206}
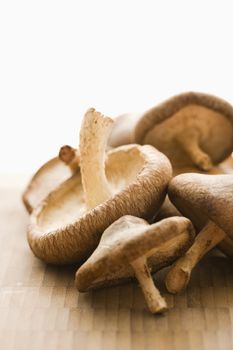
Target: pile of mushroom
{"x": 192, "y": 129}
{"x": 104, "y": 206}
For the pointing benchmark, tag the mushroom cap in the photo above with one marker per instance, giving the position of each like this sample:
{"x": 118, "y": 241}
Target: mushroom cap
{"x": 126, "y": 240}
{"x": 208, "y": 113}
{"x": 122, "y": 130}
{"x": 63, "y": 231}
{"x": 45, "y": 180}
{"x": 206, "y": 197}
{"x": 168, "y": 209}
{"x": 199, "y": 220}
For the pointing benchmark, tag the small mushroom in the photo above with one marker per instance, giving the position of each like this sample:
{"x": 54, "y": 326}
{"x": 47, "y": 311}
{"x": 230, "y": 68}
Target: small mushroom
{"x": 208, "y": 198}
{"x": 70, "y": 157}
{"x": 191, "y": 129}
{"x": 161, "y": 258}
{"x": 45, "y": 180}
{"x": 129, "y": 242}
{"x": 50, "y": 176}
{"x": 133, "y": 179}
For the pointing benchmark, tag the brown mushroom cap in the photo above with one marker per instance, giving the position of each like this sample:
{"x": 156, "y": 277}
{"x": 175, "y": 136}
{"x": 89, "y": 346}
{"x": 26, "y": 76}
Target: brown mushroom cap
{"x": 208, "y": 195}
{"x": 63, "y": 231}
{"x": 45, "y": 180}
{"x": 198, "y": 219}
{"x": 126, "y": 240}
{"x": 210, "y": 117}
{"x": 168, "y": 209}
{"x": 161, "y": 258}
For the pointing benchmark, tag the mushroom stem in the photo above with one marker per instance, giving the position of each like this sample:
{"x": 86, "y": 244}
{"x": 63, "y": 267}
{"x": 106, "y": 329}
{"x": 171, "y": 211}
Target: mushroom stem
{"x": 94, "y": 134}
{"x": 156, "y": 303}
{"x": 226, "y": 246}
{"x": 190, "y": 143}
{"x": 70, "y": 157}
{"x": 179, "y": 274}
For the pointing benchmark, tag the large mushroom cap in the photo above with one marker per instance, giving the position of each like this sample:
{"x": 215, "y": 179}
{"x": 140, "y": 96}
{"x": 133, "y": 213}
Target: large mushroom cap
{"x": 206, "y": 118}
{"x": 63, "y": 230}
{"x": 126, "y": 240}
{"x": 45, "y": 180}
{"x": 205, "y": 197}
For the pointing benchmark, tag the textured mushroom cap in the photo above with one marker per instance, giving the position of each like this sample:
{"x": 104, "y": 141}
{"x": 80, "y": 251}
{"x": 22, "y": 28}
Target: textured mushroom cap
{"x": 45, "y": 180}
{"x": 126, "y": 240}
{"x": 168, "y": 209}
{"x": 199, "y": 220}
{"x": 63, "y": 231}
{"x": 206, "y": 197}
{"x": 161, "y": 258}
{"x": 159, "y": 125}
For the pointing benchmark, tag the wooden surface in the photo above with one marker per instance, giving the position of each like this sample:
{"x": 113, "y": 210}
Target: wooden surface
{"x": 40, "y": 308}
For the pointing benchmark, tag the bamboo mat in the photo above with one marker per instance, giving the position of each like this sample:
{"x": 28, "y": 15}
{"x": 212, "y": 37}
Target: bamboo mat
{"x": 40, "y": 308}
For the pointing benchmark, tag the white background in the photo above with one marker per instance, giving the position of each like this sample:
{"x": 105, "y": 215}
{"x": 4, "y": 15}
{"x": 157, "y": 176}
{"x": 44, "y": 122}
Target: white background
{"x": 58, "y": 58}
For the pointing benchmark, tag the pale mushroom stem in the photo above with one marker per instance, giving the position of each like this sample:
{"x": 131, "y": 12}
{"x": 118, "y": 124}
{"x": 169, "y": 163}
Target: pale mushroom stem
{"x": 156, "y": 303}
{"x": 226, "y": 246}
{"x": 70, "y": 157}
{"x": 190, "y": 144}
{"x": 94, "y": 134}
{"x": 179, "y": 274}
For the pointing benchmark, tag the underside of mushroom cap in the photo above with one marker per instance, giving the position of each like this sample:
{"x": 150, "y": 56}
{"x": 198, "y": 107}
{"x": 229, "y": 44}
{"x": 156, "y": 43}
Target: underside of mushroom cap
{"x": 126, "y": 240}
{"x": 122, "y": 131}
{"x": 63, "y": 231}
{"x": 208, "y": 118}
{"x": 45, "y": 180}
{"x": 206, "y": 197}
